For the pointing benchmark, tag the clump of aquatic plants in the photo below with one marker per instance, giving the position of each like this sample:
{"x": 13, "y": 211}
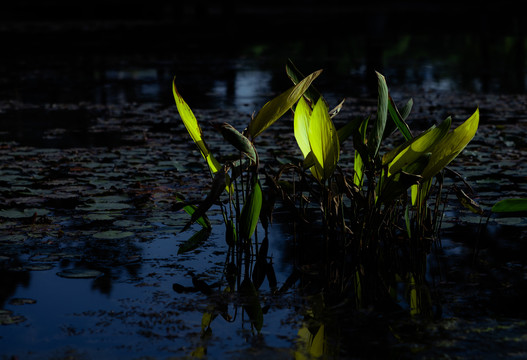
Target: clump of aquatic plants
{"x": 377, "y": 220}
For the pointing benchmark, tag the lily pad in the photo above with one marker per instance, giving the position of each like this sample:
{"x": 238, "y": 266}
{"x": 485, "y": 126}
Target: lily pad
{"x": 113, "y": 235}
{"x": 79, "y": 273}
{"x": 22, "y": 301}
{"x": 7, "y": 318}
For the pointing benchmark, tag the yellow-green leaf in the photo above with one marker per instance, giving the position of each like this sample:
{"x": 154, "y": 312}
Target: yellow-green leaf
{"x": 446, "y": 149}
{"x": 278, "y": 106}
{"x": 416, "y": 147}
{"x": 358, "y": 164}
{"x": 301, "y": 126}
{"x": 324, "y": 141}
{"x": 193, "y": 128}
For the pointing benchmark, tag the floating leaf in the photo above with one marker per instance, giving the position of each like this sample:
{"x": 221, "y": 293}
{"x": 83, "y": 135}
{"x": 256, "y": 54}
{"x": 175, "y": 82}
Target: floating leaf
{"x": 79, "y": 273}
{"x": 7, "y": 318}
{"x": 278, "y": 106}
{"x": 22, "y": 301}
{"x": 510, "y": 206}
{"x": 113, "y": 235}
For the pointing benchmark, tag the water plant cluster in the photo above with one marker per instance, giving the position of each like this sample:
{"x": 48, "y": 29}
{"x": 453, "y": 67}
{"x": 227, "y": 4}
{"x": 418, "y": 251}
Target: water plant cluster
{"x": 366, "y": 228}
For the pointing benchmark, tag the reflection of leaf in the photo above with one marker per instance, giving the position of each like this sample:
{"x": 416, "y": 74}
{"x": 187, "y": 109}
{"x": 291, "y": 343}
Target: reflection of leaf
{"x": 252, "y": 304}
{"x": 194, "y": 242}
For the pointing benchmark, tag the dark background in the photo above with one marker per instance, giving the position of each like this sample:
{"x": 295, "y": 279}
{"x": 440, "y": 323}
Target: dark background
{"x": 67, "y": 51}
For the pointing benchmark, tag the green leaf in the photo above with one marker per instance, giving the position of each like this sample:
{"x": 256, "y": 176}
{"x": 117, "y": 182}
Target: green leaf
{"x": 296, "y": 76}
{"x": 218, "y": 185}
{"x": 193, "y": 128}
{"x": 358, "y": 164}
{"x": 396, "y": 185}
{"x": 324, "y": 141}
{"x": 238, "y": 140}
{"x": 251, "y": 211}
{"x": 510, "y": 205}
{"x": 416, "y": 147}
{"x": 347, "y": 130}
{"x": 399, "y": 118}
{"x": 301, "y": 126}
{"x": 374, "y": 140}
{"x": 449, "y": 147}
{"x": 278, "y": 106}
{"x": 194, "y": 242}
{"x": 191, "y": 209}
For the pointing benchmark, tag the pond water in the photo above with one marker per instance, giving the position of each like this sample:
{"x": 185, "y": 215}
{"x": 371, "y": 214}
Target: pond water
{"x": 93, "y": 155}
{"x": 89, "y": 240}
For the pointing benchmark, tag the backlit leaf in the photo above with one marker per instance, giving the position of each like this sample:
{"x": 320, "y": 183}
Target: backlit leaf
{"x": 193, "y": 128}
{"x": 324, "y": 141}
{"x": 296, "y": 76}
{"x": 301, "y": 126}
{"x": 446, "y": 149}
{"x": 278, "y": 106}
{"x": 416, "y": 147}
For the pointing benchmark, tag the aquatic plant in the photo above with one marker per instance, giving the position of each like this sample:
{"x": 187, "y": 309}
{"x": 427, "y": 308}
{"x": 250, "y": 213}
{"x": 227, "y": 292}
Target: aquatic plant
{"x": 378, "y": 220}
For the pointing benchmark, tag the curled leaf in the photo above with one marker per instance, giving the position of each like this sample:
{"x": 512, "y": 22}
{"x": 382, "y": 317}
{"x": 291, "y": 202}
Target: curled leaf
{"x": 238, "y": 140}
